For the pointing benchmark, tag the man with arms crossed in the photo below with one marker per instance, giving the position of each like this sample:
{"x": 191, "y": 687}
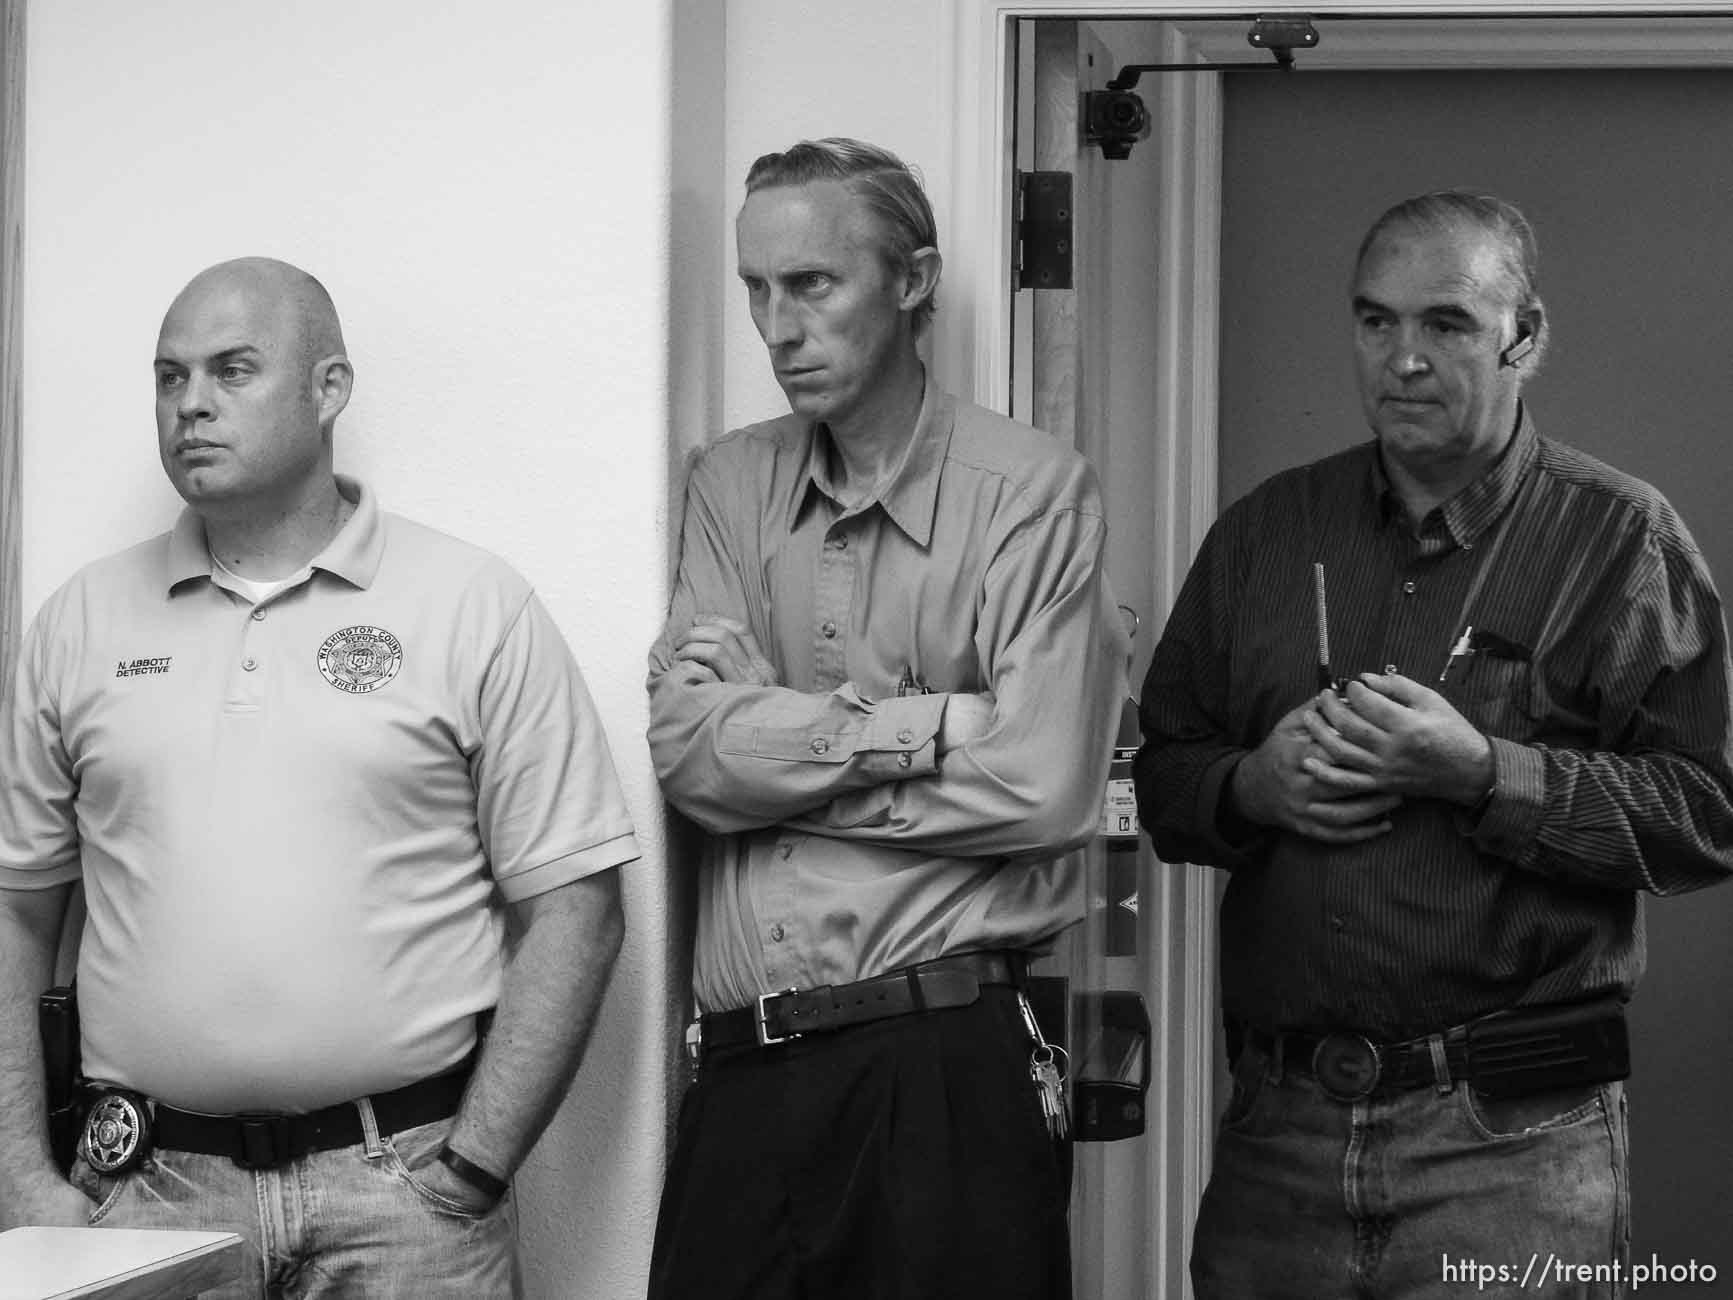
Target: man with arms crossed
{"x": 1432, "y": 920}
{"x": 886, "y": 690}
{"x": 304, "y": 755}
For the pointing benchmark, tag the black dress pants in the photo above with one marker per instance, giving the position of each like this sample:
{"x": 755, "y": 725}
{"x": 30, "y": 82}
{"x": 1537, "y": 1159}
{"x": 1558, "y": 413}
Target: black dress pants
{"x": 905, "y": 1159}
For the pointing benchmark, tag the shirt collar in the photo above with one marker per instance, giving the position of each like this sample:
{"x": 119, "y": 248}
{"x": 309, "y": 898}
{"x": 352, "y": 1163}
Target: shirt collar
{"x": 1478, "y": 506}
{"x": 911, "y": 493}
{"x": 353, "y": 554}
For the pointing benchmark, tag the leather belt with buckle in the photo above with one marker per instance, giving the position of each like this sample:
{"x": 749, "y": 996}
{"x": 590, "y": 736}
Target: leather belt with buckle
{"x": 775, "y": 1018}
{"x": 122, "y": 1127}
{"x": 1510, "y": 1053}
{"x": 1351, "y": 1067}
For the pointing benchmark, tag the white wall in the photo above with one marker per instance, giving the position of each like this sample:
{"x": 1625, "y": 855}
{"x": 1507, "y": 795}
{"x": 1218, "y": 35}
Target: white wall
{"x": 798, "y": 70}
{"x": 483, "y": 187}
{"x": 701, "y": 253}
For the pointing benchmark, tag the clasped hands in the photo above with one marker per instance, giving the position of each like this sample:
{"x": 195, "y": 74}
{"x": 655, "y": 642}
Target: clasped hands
{"x": 1336, "y": 767}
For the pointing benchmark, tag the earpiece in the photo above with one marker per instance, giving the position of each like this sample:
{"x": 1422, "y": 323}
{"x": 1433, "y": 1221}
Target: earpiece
{"x": 1516, "y": 351}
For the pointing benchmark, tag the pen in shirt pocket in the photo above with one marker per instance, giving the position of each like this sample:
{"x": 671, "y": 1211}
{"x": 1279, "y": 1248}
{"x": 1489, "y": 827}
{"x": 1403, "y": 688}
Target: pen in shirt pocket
{"x": 1463, "y": 647}
{"x": 1475, "y": 641}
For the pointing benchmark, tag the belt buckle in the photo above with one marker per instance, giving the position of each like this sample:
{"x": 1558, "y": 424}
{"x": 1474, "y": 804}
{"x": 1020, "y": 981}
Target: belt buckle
{"x": 758, "y": 1020}
{"x": 1347, "y": 1066}
{"x": 117, "y": 1133}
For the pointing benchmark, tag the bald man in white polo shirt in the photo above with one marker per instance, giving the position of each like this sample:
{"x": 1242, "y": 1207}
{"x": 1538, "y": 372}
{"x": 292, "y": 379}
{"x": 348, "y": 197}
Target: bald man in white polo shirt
{"x": 305, "y": 756}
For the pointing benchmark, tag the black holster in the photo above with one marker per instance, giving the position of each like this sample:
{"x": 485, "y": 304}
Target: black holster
{"x": 57, "y": 1015}
{"x": 1532, "y": 1049}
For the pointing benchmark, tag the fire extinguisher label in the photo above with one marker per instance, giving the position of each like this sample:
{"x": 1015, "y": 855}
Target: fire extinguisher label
{"x": 1119, "y": 806}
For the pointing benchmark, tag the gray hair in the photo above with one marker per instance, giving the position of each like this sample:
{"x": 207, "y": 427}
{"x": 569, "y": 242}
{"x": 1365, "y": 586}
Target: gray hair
{"x": 1502, "y": 220}
{"x": 889, "y": 186}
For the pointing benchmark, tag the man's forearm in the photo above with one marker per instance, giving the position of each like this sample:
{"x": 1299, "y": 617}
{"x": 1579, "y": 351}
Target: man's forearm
{"x": 547, "y": 1009}
{"x": 1038, "y": 795}
{"x": 1022, "y": 767}
{"x": 29, "y": 935}
{"x": 735, "y": 757}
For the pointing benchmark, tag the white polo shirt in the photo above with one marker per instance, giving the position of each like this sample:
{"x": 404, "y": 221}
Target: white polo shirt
{"x": 295, "y": 821}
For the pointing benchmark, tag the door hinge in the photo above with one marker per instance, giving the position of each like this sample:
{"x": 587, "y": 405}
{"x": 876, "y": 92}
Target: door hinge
{"x": 1043, "y": 234}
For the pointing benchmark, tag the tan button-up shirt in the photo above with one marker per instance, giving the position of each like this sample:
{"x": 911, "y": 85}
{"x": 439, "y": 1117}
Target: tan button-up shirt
{"x": 841, "y": 845}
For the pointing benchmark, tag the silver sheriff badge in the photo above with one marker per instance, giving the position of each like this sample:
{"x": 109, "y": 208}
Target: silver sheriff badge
{"x": 116, "y": 1133}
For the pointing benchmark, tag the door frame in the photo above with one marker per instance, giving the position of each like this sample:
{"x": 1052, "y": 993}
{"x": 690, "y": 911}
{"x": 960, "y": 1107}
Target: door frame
{"x": 12, "y": 41}
{"x": 974, "y": 353}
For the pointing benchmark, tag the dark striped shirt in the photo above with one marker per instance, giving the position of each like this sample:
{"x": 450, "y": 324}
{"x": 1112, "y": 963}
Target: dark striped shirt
{"x": 1600, "y": 675}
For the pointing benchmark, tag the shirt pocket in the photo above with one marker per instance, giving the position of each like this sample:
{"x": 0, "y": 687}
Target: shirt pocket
{"x": 1497, "y": 696}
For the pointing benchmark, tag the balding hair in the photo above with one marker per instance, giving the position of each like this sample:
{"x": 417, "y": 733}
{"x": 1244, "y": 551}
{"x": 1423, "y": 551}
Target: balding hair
{"x": 318, "y": 332}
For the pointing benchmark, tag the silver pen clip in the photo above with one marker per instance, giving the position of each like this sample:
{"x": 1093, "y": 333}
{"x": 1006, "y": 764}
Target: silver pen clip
{"x": 1461, "y": 650}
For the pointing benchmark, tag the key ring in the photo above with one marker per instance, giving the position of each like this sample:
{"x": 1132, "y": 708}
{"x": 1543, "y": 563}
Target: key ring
{"x": 1036, "y": 1059}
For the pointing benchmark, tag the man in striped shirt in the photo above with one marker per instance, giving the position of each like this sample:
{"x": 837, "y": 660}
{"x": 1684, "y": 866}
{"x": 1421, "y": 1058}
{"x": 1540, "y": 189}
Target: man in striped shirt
{"x": 1432, "y": 919}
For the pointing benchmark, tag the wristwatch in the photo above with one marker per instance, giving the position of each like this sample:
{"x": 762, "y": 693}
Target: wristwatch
{"x": 489, "y": 1185}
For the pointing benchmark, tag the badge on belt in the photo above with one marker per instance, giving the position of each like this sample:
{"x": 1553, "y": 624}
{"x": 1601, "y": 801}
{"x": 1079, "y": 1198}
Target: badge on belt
{"x": 116, "y": 1132}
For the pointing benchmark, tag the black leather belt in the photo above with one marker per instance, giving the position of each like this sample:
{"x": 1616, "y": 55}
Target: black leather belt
{"x": 265, "y": 1140}
{"x": 929, "y": 986}
{"x": 1351, "y": 1066}
{"x": 1511, "y": 1053}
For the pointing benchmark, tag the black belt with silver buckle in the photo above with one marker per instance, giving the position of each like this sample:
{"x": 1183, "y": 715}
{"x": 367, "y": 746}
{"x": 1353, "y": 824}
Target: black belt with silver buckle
{"x": 942, "y": 983}
{"x": 1351, "y": 1067}
{"x": 1510, "y": 1053}
{"x": 265, "y": 1139}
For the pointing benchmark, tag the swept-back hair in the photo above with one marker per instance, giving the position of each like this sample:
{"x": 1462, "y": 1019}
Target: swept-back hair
{"x": 889, "y": 186}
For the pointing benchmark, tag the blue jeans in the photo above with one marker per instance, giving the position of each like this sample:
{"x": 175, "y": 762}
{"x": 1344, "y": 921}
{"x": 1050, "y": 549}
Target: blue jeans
{"x": 1412, "y": 1195}
{"x": 351, "y": 1222}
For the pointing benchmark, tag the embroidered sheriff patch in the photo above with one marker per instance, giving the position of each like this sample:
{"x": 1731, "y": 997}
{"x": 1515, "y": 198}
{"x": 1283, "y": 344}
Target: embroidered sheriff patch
{"x": 360, "y": 659}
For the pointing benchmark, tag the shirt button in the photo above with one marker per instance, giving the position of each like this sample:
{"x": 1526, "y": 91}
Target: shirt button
{"x": 905, "y": 760}
{"x": 1390, "y": 669}
{"x": 1408, "y": 589}
{"x": 828, "y": 628}
{"x": 905, "y": 736}
{"x": 249, "y": 664}
{"x": 820, "y": 745}
{"x": 776, "y": 933}
{"x": 839, "y": 543}
{"x": 1338, "y": 922}
{"x": 258, "y": 614}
